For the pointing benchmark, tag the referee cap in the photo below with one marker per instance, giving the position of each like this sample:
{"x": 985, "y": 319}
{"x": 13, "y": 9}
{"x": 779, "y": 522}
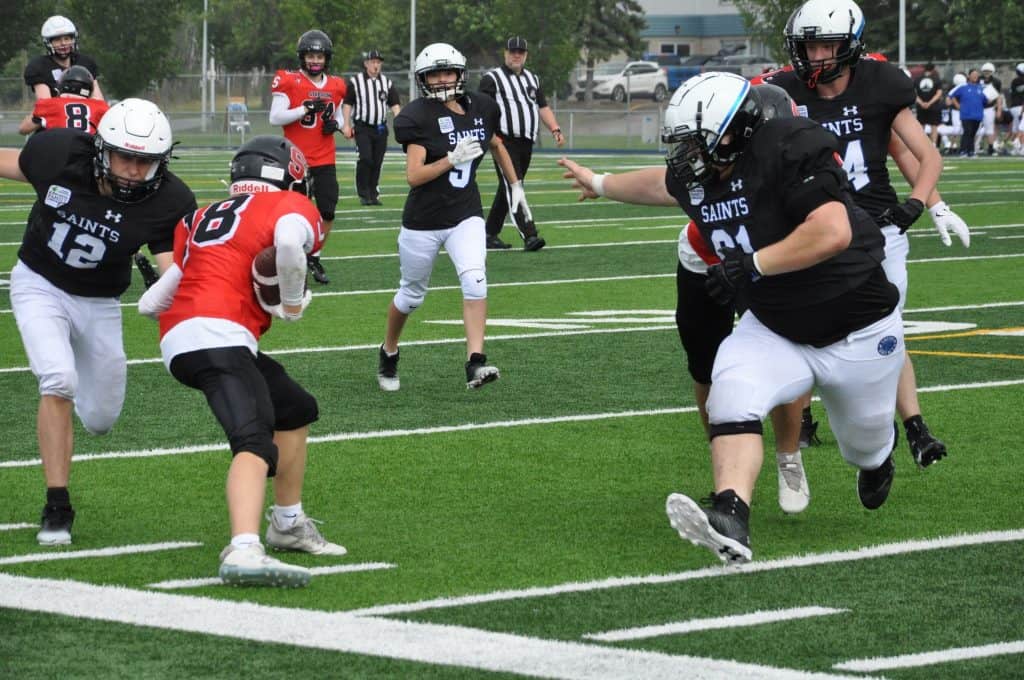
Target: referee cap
{"x": 372, "y": 54}
{"x": 516, "y": 43}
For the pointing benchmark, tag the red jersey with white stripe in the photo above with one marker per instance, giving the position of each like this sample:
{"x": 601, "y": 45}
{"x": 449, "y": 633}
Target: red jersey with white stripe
{"x": 69, "y": 112}
{"x": 307, "y": 132}
{"x": 214, "y": 247}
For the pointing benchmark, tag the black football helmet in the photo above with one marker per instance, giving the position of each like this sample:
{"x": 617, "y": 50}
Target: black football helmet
{"x": 775, "y": 102}
{"x": 76, "y": 80}
{"x": 314, "y": 41}
{"x": 272, "y": 160}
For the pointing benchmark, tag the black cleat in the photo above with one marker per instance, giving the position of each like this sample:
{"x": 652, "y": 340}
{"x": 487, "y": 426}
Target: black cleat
{"x": 873, "y": 485}
{"x": 478, "y": 373}
{"x": 924, "y": 447}
{"x": 317, "y": 269}
{"x": 534, "y": 243}
{"x": 495, "y": 243}
{"x": 808, "y": 430}
{"x": 55, "y": 527}
{"x": 387, "y": 371}
{"x": 722, "y": 528}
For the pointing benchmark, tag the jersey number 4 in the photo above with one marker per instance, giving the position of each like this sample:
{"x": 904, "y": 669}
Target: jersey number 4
{"x": 854, "y": 165}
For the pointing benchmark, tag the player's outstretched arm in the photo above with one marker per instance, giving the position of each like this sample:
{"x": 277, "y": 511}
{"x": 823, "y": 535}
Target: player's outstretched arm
{"x": 9, "y": 168}
{"x": 641, "y": 187}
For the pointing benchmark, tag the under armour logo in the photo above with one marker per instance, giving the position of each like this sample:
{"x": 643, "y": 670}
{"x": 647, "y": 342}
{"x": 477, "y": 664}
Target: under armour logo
{"x": 116, "y": 217}
{"x": 478, "y": 121}
{"x": 737, "y": 185}
{"x": 849, "y": 110}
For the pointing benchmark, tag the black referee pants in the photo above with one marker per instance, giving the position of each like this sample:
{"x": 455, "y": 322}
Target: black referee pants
{"x": 521, "y": 151}
{"x": 371, "y": 141}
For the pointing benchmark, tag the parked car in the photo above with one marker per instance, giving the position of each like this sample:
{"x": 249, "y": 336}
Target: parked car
{"x": 747, "y": 65}
{"x": 640, "y": 78}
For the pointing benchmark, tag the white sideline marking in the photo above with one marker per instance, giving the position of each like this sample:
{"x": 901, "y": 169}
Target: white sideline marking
{"x": 932, "y": 658}
{"x": 98, "y": 552}
{"x": 317, "y": 571}
{"x": 421, "y": 642}
{"x": 20, "y": 525}
{"x": 716, "y": 623}
{"x": 866, "y": 553}
{"x": 443, "y": 429}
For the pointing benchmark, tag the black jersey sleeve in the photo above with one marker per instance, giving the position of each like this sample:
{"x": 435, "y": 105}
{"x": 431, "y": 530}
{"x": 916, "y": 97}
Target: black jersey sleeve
{"x": 408, "y": 127}
{"x": 394, "y": 99}
{"x": 175, "y": 201}
{"x": 350, "y": 92}
{"x": 45, "y": 156}
{"x": 809, "y": 174}
{"x": 892, "y": 85}
{"x": 541, "y": 99}
{"x": 38, "y": 71}
{"x": 488, "y": 85}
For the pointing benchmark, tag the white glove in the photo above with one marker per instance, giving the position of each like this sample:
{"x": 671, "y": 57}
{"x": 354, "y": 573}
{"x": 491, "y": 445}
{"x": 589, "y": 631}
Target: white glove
{"x": 278, "y": 309}
{"x": 466, "y": 150}
{"x": 945, "y": 221}
{"x": 517, "y": 200}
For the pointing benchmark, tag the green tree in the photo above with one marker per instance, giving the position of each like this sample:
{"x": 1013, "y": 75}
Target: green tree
{"x": 607, "y": 27}
{"x": 19, "y": 31}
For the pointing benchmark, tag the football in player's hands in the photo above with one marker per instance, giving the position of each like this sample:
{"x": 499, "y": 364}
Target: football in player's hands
{"x": 264, "y": 277}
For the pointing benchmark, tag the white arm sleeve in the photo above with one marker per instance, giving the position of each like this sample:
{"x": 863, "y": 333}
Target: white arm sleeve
{"x": 280, "y": 114}
{"x": 158, "y": 298}
{"x": 293, "y": 236}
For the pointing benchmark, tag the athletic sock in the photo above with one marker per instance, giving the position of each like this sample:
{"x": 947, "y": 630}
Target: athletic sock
{"x": 242, "y": 541}
{"x": 285, "y": 515}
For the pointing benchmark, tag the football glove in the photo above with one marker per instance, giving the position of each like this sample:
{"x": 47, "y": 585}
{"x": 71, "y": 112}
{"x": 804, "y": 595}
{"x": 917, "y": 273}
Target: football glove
{"x": 277, "y": 310}
{"x": 467, "y": 149}
{"x": 946, "y": 221}
{"x": 904, "y": 214}
{"x": 517, "y": 200}
{"x": 330, "y": 126}
{"x": 149, "y": 275}
{"x": 735, "y": 271}
{"x": 314, "y": 105}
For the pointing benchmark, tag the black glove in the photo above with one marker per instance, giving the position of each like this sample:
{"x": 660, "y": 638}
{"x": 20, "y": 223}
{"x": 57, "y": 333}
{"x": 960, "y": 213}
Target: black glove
{"x": 314, "y": 105}
{"x": 149, "y": 275}
{"x": 330, "y": 126}
{"x": 735, "y": 271}
{"x": 904, "y": 214}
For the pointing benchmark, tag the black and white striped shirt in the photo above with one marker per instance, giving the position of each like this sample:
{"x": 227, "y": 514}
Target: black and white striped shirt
{"x": 519, "y": 98}
{"x": 371, "y": 98}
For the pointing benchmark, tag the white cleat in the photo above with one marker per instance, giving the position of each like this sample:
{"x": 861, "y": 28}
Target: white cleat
{"x": 303, "y": 536}
{"x": 794, "y": 494}
{"x": 251, "y": 566}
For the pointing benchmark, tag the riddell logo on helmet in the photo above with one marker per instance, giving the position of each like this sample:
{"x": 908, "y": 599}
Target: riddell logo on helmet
{"x": 139, "y": 147}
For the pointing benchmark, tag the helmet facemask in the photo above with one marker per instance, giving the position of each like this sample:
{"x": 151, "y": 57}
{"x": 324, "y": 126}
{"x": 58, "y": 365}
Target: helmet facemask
{"x": 696, "y": 156}
{"x": 824, "y": 21}
{"x": 127, "y": 190}
{"x": 443, "y": 91}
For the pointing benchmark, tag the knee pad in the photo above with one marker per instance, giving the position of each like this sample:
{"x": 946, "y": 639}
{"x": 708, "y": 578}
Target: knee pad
{"x": 255, "y": 438}
{"x": 62, "y": 384}
{"x": 298, "y": 410}
{"x": 409, "y": 298}
{"x": 474, "y": 284}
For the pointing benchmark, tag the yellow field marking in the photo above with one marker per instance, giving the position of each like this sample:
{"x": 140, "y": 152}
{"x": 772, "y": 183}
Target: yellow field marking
{"x": 964, "y": 334}
{"x": 969, "y": 355}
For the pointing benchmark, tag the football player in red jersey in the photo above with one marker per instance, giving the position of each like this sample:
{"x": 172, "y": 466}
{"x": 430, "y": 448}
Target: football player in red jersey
{"x": 73, "y": 108}
{"x": 307, "y": 103}
{"x": 211, "y": 319}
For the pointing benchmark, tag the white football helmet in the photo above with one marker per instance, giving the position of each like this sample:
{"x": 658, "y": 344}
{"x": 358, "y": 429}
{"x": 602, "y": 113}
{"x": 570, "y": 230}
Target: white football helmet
{"x": 959, "y": 79}
{"x": 840, "y": 21}
{"x": 988, "y": 67}
{"x": 133, "y": 127}
{"x": 701, "y": 112}
{"x": 441, "y": 57}
{"x": 54, "y": 27}
{"x": 1020, "y": 69}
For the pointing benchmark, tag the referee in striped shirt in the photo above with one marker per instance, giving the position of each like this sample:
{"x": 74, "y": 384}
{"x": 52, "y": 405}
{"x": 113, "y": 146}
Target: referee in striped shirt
{"x": 370, "y": 94}
{"x": 523, "y": 107}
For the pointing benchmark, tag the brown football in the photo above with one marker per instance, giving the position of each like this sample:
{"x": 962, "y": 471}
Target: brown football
{"x": 264, "y": 276}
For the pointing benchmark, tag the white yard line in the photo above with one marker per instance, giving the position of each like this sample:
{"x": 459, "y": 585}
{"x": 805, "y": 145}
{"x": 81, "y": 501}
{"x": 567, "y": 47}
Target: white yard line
{"x": 814, "y": 559}
{"x": 932, "y": 658}
{"x": 53, "y": 555}
{"x": 20, "y": 525}
{"x": 420, "y": 642}
{"x": 317, "y": 571}
{"x": 445, "y": 429}
{"x": 757, "y": 618}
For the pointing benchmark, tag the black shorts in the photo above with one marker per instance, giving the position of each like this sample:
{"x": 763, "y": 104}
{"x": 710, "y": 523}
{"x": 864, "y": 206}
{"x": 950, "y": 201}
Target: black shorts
{"x": 932, "y": 116}
{"x": 702, "y": 323}
{"x": 251, "y": 396}
{"x": 325, "y": 190}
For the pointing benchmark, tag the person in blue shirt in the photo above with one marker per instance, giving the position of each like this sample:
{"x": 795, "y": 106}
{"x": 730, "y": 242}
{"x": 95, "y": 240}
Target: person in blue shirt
{"x": 969, "y": 99}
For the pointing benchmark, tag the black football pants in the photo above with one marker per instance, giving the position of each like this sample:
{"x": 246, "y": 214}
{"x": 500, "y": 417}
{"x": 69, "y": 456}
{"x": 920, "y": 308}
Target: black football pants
{"x": 520, "y": 151}
{"x": 371, "y": 142}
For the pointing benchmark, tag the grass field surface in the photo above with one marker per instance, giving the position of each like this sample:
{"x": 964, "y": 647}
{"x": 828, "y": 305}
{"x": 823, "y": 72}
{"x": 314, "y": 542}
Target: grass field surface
{"x": 520, "y": 529}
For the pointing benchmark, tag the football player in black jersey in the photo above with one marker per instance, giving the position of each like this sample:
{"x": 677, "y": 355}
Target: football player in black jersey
{"x": 61, "y": 40}
{"x": 444, "y": 134}
{"x": 98, "y": 200}
{"x": 771, "y": 199}
{"x": 865, "y": 104}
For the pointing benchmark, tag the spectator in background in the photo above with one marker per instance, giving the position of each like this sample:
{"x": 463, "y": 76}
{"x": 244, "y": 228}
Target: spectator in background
{"x": 1016, "y": 104}
{"x": 523, "y": 107}
{"x": 73, "y": 108}
{"x": 61, "y": 40}
{"x": 993, "y": 88}
{"x": 370, "y": 94}
{"x": 969, "y": 99}
{"x": 307, "y": 103}
{"x": 928, "y": 90}
{"x": 950, "y": 128}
